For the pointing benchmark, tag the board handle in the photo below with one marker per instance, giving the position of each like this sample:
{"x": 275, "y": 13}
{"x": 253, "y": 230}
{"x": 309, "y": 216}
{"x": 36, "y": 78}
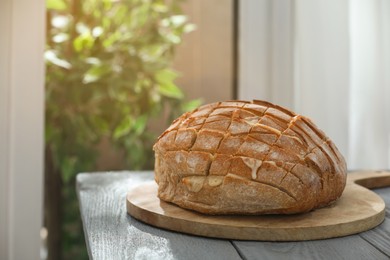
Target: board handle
{"x": 370, "y": 179}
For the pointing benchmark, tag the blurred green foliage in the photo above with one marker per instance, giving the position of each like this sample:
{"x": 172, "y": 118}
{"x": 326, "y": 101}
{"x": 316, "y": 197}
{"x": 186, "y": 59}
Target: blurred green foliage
{"x": 107, "y": 76}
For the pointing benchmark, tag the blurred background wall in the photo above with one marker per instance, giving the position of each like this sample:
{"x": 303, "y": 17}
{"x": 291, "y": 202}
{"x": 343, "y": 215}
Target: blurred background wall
{"x": 328, "y": 60}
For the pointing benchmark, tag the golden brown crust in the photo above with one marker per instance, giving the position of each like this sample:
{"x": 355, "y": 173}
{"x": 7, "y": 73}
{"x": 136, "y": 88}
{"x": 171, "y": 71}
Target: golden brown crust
{"x": 239, "y": 157}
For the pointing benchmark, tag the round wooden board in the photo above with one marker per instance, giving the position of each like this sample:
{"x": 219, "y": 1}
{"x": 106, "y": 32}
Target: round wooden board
{"x": 358, "y": 209}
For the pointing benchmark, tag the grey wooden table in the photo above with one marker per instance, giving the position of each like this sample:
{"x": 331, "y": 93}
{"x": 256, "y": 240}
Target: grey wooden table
{"x": 112, "y": 234}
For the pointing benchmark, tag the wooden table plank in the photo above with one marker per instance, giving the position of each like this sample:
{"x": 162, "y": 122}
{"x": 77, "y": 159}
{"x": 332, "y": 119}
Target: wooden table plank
{"x": 372, "y": 244}
{"x": 112, "y": 234}
{"x": 379, "y": 237}
{"x": 351, "y": 247}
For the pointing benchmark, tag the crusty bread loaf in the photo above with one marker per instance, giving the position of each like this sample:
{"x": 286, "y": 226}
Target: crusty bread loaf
{"x": 239, "y": 157}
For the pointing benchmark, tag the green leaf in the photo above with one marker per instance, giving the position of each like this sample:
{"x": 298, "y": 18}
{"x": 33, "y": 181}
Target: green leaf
{"x": 93, "y": 61}
{"x": 51, "y": 57}
{"x": 120, "y": 14}
{"x": 107, "y": 4}
{"x": 60, "y": 21}
{"x": 160, "y": 7}
{"x": 170, "y": 90}
{"x": 82, "y": 28}
{"x": 94, "y": 74}
{"x": 167, "y": 88}
{"x": 111, "y": 39}
{"x": 106, "y": 22}
{"x": 178, "y": 20}
{"x": 189, "y": 28}
{"x": 140, "y": 124}
{"x": 97, "y": 31}
{"x": 140, "y": 15}
{"x": 89, "y": 78}
{"x": 165, "y": 76}
{"x": 83, "y": 42}
{"x": 173, "y": 38}
{"x": 78, "y": 43}
{"x": 51, "y": 133}
{"x": 58, "y": 5}
{"x": 61, "y": 37}
{"x": 152, "y": 53}
{"x": 68, "y": 168}
{"x": 100, "y": 124}
{"x": 191, "y": 105}
{"x": 123, "y": 128}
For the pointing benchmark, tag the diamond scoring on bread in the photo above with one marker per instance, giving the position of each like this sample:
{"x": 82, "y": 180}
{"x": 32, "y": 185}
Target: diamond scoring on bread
{"x": 240, "y": 157}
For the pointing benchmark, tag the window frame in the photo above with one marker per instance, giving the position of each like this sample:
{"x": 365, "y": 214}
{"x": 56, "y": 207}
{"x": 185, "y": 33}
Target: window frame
{"x": 22, "y": 25}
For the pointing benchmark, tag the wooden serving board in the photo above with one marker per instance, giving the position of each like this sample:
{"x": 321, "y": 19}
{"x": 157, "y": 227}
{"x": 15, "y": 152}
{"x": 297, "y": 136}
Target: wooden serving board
{"x": 358, "y": 209}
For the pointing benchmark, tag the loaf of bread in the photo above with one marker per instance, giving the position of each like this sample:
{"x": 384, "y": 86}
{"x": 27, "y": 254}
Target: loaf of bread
{"x": 239, "y": 157}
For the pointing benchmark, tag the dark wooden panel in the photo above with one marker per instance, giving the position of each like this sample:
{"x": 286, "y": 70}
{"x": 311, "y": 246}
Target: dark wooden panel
{"x": 205, "y": 57}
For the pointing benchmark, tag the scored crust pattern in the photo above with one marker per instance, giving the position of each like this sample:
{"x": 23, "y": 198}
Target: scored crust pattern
{"x": 239, "y": 157}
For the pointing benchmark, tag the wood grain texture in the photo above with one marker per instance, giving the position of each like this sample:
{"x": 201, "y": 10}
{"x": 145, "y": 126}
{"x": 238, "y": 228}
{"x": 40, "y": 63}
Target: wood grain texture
{"x": 351, "y": 247}
{"x": 372, "y": 244}
{"x": 112, "y": 234}
{"x": 380, "y": 236}
{"x": 359, "y": 209}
